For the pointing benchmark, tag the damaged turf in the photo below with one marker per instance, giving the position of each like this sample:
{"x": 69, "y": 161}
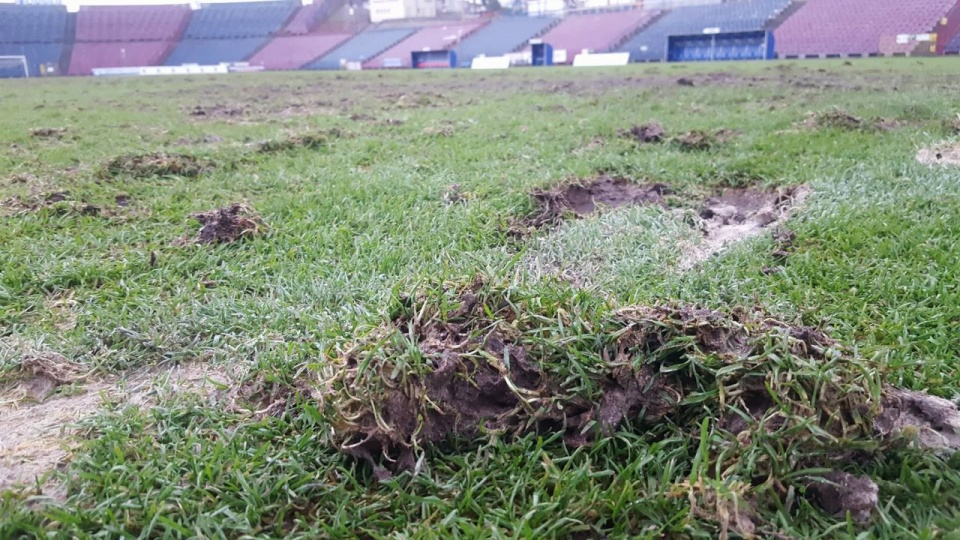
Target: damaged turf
{"x": 736, "y": 214}
{"x": 582, "y": 199}
{"x": 651, "y": 132}
{"x": 309, "y": 141}
{"x": 227, "y": 225}
{"x": 155, "y": 164}
{"x": 771, "y": 398}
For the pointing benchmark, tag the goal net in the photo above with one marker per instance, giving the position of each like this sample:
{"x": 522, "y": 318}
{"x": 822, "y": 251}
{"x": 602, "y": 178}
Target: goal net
{"x": 13, "y": 67}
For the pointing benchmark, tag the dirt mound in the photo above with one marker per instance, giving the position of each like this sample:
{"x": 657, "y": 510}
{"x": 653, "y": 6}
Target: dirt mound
{"x": 226, "y": 225}
{"x": 703, "y": 140}
{"x": 736, "y": 214}
{"x": 48, "y": 133}
{"x": 651, "y": 132}
{"x": 582, "y": 199}
{"x": 835, "y": 118}
{"x": 309, "y": 141}
{"x": 155, "y": 164}
{"x": 941, "y": 154}
{"x": 476, "y": 365}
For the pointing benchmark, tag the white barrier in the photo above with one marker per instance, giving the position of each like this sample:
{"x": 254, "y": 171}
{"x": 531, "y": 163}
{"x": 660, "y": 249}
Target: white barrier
{"x": 605, "y": 59}
{"x": 490, "y": 62}
{"x": 160, "y": 70}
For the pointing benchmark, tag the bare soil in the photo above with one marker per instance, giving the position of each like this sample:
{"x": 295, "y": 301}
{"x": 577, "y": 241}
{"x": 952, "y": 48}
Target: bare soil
{"x": 584, "y": 198}
{"x": 226, "y": 225}
{"x": 940, "y": 154}
{"x": 736, "y": 214}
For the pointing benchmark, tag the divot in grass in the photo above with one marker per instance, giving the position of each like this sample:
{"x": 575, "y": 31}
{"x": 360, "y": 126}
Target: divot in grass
{"x": 737, "y": 214}
{"x": 226, "y": 225}
{"x": 580, "y": 199}
{"x": 155, "y": 164}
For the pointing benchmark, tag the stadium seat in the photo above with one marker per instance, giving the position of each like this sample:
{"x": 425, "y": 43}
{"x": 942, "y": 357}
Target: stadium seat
{"x": 131, "y": 23}
{"x": 732, "y": 16}
{"x": 238, "y": 20}
{"x": 863, "y": 27}
{"x": 429, "y": 38}
{"x": 501, "y": 36}
{"x": 88, "y": 56}
{"x": 37, "y": 54}
{"x": 362, "y": 47}
{"x": 293, "y": 52}
{"x": 596, "y": 32}
{"x": 32, "y": 24}
{"x": 213, "y": 51}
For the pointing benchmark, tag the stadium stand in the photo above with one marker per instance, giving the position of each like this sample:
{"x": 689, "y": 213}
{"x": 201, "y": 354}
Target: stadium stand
{"x": 238, "y": 20}
{"x": 432, "y": 38}
{"x": 734, "y": 16}
{"x": 362, "y": 47}
{"x": 293, "y": 52}
{"x": 37, "y": 32}
{"x": 38, "y": 54}
{"x": 596, "y": 32}
{"x": 131, "y": 23}
{"x": 503, "y": 35}
{"x": 32, "y": 24}
{"x": 88, "y": 56}
{"x": 306, "y": 19}
{"x": 857, "y": 27}
{"x": 214, "y": 51}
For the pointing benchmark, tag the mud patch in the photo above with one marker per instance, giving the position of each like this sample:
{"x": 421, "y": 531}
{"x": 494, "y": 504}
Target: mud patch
{"x": 157, "y": 164}
{"x": 736, "y": 214}
{"x": 651, "y": 132}
{"x": 226, "y": 225}
{"x": 582, "y": 199}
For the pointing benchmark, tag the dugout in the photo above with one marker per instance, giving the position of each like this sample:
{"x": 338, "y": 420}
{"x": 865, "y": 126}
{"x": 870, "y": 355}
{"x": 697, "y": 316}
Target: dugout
{"x": 755, "y": 45}
{"x": 433, "y": 59}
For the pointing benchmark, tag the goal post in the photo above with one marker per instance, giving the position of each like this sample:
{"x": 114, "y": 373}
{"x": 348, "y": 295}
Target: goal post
{"x": 14, "y": 67}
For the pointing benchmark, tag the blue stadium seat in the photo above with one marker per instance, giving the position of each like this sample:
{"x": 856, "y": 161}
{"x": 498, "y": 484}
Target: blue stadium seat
{"x": 214, "y": 51}
{"x": 32, "y": 24}
{"x": 239, "y": 20}
{"x": 732, "y": 16}
{"x": 364, "y": 46}
{"x": 501, "y": 36}
{"x": 37, "y": 54}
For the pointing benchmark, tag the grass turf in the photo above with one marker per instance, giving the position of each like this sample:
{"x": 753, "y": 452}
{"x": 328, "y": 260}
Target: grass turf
{"x": 359, "y": 220}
